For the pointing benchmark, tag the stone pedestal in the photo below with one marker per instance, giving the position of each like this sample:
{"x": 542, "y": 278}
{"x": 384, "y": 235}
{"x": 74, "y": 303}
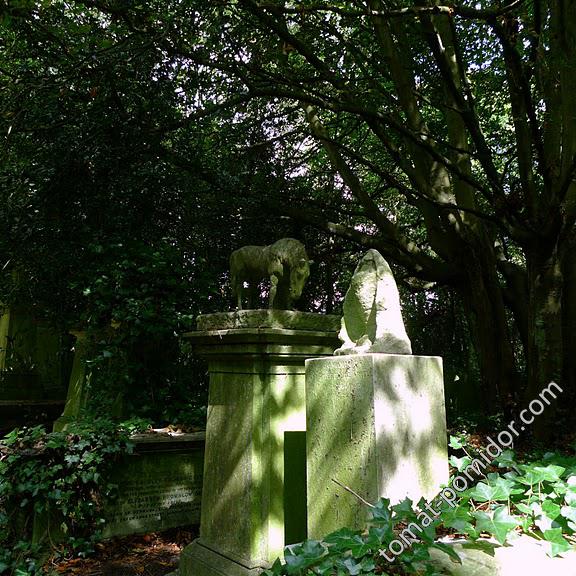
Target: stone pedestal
{"x": 376, "y": 424}
{"x": 254, "y": 489}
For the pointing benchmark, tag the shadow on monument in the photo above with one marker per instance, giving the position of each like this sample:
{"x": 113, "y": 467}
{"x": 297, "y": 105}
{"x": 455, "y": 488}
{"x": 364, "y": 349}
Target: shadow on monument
{"x": 287, "y": 420}
{"x": 376, "y": 424}
{"x": 254, "y": 497}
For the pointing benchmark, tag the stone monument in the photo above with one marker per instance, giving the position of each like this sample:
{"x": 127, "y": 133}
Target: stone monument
{"x": 285, "y": 264}
{"x": 30, "y": 360}
{"x": 254, "y": 488}
{"x": 372, "y": 320}
{"x": 78, "y": 384}
{"x": 375, "y": 414}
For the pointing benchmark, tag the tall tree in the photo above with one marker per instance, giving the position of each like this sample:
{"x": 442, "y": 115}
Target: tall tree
{"x": 443, "y": 135}
{"x": 463, "y": 113}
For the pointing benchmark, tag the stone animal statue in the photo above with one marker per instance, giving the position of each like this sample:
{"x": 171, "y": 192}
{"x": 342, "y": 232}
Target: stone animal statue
{"x": 372, "y": 320}
{"x": 285, "y": 263}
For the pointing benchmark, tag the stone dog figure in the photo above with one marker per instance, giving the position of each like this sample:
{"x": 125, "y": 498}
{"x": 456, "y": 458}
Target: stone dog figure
{"x": 372, "y": 320}
{"x": 285, "y": 263}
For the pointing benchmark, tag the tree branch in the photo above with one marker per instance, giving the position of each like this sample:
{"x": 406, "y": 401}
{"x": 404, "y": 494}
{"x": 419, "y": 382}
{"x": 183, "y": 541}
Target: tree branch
{"x": 415, "y": 11}
{"x": 421, "y": 266}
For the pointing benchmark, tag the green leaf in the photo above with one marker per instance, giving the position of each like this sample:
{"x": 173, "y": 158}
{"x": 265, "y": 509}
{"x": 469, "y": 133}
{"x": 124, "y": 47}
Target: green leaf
{"x": 348, "y": 540}
{"x": 499, "y": 523}
{"x": 378, "y": 534}
{"x": 446, "y": 548}
{"x": 456, "y": 443}
{"x": 494, "y": 489}
{"x": 381, "y": 512}
{"x": 275, "y": 569}
{"x": 404, "y": 509}
{"x": 460, "y": 463}
{"x": 558, "y": 543}
{"x": 551, "y": 509}
{"x": 536, "y": 474}
{"x": 524, "y": 508}
{"x": 458, "y": 518}
{"x": 506, "y": 460}
{"x": 569, "y": 512}
{"x": 351, "y": 566}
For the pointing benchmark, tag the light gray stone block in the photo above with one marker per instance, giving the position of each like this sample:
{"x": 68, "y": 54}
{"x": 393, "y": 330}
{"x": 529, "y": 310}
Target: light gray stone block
{"x": 376, "y": 423}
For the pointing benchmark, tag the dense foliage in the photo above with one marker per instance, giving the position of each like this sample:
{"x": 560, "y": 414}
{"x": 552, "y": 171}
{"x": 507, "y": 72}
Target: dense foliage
{"x": 443, "y": 136}
{"x": 52, "y": 489}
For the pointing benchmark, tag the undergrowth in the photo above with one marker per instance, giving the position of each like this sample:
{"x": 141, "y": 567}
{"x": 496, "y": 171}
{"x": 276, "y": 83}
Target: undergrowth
{"x": 537, "y": 498}
{"x": 52, "y": 489}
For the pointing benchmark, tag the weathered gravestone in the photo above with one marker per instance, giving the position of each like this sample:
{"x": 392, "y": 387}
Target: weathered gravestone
{"x": 31, "y": 366}
{"x": 372, "y": 320}
{"x": 159, "y": 486}
{"x": 375, "y": 414}
{"x": 254, "y": 495}
{"x": 78, "y": 384}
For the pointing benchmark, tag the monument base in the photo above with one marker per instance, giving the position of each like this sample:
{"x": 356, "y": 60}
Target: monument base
{"x": 376, "y": 424}
{"x": 254, "y": 488}
{"x": 200, "y": 560}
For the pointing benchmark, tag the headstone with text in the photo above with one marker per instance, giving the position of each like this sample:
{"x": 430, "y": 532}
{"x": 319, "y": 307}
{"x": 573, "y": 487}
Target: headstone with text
{"x": 159, "y": 487}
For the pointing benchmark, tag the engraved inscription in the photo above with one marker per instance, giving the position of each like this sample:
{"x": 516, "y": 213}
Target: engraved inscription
{"x": 155, "y": 492}
{"x": 156, "y": 499}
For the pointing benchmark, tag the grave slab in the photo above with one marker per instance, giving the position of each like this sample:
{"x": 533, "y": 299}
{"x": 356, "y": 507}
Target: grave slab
{"x": 159, "y": 486}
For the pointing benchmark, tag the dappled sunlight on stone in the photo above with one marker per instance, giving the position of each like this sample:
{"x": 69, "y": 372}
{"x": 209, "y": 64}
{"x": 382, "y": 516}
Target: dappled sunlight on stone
{"x": 525, "y": 555}
{"x": 376, "y": 424}
{"x": 256, "y": 418}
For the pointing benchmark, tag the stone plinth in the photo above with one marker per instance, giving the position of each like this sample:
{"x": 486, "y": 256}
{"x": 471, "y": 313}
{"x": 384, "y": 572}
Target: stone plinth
{"x": 254, "y": 490}
{"x": 375, "y": 423}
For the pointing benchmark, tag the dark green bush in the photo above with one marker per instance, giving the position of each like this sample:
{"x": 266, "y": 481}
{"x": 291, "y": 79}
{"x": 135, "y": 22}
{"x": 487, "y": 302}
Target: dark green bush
{"x": 52, "y": 486}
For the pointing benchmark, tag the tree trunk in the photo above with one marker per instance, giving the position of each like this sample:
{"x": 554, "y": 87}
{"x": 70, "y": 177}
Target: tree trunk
{"x": 545, "y": 338}
{"x": 484, "y": 302}
{"x": 568, "y": 382}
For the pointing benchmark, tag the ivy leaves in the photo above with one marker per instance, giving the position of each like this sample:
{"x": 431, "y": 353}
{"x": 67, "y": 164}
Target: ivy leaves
{"x": 59, "y": 472}
{"x": 495, "y": 489}
{"x": 537, "y": 498}
{"x": 499, "y": 523}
